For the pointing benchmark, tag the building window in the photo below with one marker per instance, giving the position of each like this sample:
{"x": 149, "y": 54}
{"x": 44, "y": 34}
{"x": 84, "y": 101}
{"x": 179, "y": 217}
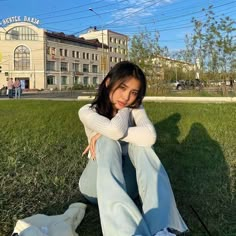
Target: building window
{"x": 93, "y": 57}
{"x": 64, "y": 80}
{"x": 50, "y": 79}
{"x": 65, "y": 52}
{"x": 85, "y": 67}
{"x": 21, "y": 33}
{"x": 73, "y": 54}
{"x": 51, "y": 65}
{"x": 64, "y": 66}
{"x": 95, "y": 79}
{"x": 94, "y": 68}
{"x": 77, "y": 55}
{"x": 51, "y": 51}
{"x": 76, "y": 80}
{"x": 75, "y": 67}
{"x": 61, "y": 52}
{"x": 22, "y": 58}
{"x": 85, "y": 80}
{"x": 83, "y": 55}
{"x": 87, "y": 56}
{"x": 96, "y": 57}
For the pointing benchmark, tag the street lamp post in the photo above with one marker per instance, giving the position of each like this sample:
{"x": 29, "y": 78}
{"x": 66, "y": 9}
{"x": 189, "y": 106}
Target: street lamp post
{"x": 91, "y": 9}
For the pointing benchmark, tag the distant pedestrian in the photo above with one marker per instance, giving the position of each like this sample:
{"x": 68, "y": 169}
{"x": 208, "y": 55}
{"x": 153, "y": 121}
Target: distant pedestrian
{"x": 17, "y": 88}
{"x": 10, "y": 87}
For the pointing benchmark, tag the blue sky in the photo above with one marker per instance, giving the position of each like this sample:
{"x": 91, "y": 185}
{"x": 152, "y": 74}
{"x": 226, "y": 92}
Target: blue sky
{"x": 172, "y": 18}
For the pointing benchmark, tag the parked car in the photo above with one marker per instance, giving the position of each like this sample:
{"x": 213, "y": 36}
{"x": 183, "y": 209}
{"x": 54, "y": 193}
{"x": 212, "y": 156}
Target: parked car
{"x": 188, "y": 84}
{"x": 194, "y": 84}
{"x": 179, "y": 85}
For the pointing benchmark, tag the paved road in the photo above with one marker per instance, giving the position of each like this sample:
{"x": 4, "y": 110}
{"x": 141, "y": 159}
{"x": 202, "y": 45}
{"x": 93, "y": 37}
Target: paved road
{"x": 73, "y": 95}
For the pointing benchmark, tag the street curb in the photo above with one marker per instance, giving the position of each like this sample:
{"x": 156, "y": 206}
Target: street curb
{"x": 177, "y": 99}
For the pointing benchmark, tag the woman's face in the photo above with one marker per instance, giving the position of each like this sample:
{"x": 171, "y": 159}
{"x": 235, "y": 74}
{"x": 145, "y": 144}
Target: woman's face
{"x": 125, "y": 94}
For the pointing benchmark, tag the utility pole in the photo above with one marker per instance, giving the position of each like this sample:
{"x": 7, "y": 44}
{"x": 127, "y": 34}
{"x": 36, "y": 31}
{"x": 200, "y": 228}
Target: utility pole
{"x": 103, "y": 59}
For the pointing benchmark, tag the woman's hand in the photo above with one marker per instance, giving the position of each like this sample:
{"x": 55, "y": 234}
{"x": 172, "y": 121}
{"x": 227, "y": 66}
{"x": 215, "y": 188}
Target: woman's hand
{"x": 92, "y": 146}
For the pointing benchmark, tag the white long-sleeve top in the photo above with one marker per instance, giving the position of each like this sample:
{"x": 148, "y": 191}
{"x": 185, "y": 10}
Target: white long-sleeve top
{"x": 128, "y": 125}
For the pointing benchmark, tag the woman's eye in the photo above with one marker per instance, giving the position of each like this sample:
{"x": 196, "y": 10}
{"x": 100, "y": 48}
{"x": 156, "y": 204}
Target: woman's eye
{"x": 122, "y": 87}
{"x": 135, "y": 93}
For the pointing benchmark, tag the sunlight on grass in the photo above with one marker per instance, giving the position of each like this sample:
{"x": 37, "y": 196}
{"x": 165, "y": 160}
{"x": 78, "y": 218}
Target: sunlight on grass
{"x": 42, "y": 141}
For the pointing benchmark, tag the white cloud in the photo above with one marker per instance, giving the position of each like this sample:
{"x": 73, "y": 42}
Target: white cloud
{"x": 136, "y": 10}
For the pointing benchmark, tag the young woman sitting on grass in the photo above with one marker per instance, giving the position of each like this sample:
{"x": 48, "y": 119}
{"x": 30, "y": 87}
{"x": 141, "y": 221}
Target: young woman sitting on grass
{"x": 122, "y": 163}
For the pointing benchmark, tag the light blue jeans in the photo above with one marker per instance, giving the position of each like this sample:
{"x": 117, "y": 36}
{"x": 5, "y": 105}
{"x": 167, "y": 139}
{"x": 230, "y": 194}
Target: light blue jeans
{"x": 17, "y": 92}
{"x": 111, "y": 180}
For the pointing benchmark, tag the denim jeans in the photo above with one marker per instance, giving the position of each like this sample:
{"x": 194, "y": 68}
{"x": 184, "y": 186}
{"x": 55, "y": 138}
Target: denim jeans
{"x": 17, "y": 92}
{"x": 111, "y": 181}
{"x": 10, "y": 93}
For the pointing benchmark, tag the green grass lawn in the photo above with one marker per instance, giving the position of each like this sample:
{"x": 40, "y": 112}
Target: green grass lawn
{"x": 41, "y": 144}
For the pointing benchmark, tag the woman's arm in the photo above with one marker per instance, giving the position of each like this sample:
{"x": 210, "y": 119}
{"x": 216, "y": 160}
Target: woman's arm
{"x": 143, "y": 133}
{"x": 116, "y": 128}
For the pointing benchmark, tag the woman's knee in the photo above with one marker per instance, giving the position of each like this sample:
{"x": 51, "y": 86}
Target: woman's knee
{"x": 106, "y": 147}
{"x": 104, "y": 142}
{"x": 108, "y": 153}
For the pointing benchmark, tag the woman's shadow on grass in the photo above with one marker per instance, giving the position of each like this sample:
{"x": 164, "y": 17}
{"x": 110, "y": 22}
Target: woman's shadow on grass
{"x": 199, "y": 176}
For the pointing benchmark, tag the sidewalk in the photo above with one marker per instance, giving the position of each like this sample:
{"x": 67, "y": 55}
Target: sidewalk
{"x": 180, "y": 99}
{"x": 146, "y": 99}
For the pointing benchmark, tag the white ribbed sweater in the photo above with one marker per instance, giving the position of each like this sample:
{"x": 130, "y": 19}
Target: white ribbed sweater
{"x": 128, "y": 125}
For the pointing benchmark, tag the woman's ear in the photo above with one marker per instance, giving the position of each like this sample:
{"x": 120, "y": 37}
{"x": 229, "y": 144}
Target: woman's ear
{"x": 107, "y": 82}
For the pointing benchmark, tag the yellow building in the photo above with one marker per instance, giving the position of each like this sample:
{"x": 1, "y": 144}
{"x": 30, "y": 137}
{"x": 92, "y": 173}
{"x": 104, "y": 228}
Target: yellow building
{"x": 49, "y": 60}
{"x": 116, "y": 42}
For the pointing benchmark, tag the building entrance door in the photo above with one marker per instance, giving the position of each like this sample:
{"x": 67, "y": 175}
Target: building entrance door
{"x": 24, "y": 81}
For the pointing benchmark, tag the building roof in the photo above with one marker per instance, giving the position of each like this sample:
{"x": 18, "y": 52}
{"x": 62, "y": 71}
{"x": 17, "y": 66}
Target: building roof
{"x": 94, "y": 29}
{"x": 73, "y": 38}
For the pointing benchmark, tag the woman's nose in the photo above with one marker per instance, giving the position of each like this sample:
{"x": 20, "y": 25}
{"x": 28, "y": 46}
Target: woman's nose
{"x": 126, "y": 95}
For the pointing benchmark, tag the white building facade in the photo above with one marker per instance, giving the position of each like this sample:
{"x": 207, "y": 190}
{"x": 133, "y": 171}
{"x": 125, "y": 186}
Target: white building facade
{"x": 117, "y": 45}
{"x": 49, "y": 60}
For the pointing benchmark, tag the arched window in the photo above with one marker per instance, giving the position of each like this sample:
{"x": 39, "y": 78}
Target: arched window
{"x": 21, "y": 33}
{"x": 22, "y": 58}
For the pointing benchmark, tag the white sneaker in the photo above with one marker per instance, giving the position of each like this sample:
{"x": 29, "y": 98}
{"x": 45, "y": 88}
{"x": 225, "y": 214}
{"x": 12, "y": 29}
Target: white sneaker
{"x": 164, "y": 232}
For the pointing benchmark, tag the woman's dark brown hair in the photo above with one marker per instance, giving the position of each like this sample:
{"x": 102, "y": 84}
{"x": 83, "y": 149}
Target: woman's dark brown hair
{"x": 120, "y": 73}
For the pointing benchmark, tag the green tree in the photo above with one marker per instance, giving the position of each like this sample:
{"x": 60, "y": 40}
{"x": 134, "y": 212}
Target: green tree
{"x": 212, "y": 43}
{"x": 145, "y": 51}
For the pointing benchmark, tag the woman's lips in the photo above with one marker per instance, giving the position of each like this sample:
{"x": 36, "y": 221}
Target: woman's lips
{"x": 122, "y": 104}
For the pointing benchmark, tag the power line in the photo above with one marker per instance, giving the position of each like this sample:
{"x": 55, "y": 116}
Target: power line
{"x": 159, "y": 21}
{"x": 81, "y": 11}
{"x": 89, "y": 16}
